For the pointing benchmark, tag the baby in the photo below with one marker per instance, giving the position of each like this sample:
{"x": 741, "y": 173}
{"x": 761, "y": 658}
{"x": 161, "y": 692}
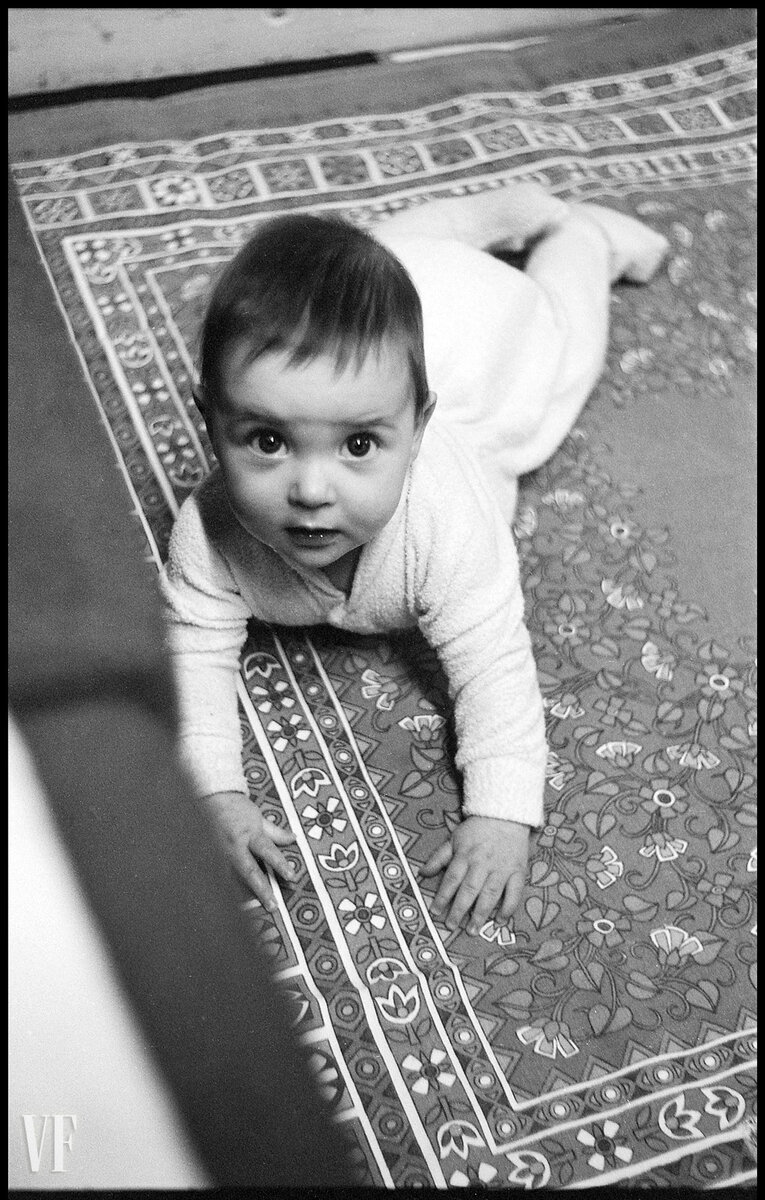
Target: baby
{"x": 338, "y": 497}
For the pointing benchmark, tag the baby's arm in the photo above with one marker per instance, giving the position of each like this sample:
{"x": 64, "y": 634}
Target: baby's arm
{"x": 207, "y": 627}
{"x": 471, "y": 611}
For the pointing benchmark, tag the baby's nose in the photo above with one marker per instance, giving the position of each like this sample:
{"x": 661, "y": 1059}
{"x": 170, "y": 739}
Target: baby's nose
{"x": 311, "y": 487}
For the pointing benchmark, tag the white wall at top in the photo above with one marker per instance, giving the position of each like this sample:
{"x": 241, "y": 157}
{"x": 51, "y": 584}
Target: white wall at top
{"x": 52, "y": 49}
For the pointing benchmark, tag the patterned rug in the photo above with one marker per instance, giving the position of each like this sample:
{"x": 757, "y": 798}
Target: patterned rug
{"x": 607, "y": 1035}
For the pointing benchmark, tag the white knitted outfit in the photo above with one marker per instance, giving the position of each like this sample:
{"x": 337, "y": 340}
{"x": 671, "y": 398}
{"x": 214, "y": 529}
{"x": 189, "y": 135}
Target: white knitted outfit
{"x": 512, "y": 359}
{"x": 513, "y": 355}
{"x": 445, "y": 562}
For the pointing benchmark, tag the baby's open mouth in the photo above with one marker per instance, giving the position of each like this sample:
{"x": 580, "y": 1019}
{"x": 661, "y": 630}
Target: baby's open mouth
{"x": 306, "y": 536}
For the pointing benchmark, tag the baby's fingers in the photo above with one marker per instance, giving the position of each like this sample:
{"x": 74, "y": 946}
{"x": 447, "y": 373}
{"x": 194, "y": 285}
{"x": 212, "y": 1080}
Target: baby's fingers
{"x": 513, "y": 890}
{"x": 450, "y": 885}
{"x": 255, "y": 879}
{"x": 439, "y": 859}
{"x": 267, "y": 851}
{"x": 486, "y": 901}
{"x": 282, "y": 837}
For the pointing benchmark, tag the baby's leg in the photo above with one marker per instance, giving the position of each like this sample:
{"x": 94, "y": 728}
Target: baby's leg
{"x": 575, "y": 265}
{"x": 514, "y": 355}
{"x": 636, "y": 250}
{"x": 510, "y": 215}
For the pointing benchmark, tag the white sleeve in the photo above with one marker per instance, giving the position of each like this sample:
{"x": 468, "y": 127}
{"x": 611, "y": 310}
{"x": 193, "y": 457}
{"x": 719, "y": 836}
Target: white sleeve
{"x": 470, "y": 606}
{"x": 207, "y": 626}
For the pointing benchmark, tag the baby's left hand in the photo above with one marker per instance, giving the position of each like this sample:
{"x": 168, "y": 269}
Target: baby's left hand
{"x": 486, "y": 860}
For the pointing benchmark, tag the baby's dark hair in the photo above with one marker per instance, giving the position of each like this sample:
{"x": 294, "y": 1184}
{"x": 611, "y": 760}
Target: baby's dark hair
{"x": 311, "y": 285}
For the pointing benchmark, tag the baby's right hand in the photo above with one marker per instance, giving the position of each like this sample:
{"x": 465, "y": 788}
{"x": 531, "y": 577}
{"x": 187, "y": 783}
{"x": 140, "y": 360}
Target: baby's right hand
{"x": 247, "y": 838}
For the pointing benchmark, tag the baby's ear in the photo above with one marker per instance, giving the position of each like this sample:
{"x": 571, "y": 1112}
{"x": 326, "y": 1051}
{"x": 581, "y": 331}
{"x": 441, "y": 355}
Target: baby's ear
{"x": 200, "y": 397}
{"x": 429, "y": 407}
{"x": 426, "y": 413}
{"x": 204, "y": 407}
{"x": 422, "y": 421}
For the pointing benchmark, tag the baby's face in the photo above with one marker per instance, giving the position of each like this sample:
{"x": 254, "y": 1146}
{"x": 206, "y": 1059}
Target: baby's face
{"x": 314, "y": 461}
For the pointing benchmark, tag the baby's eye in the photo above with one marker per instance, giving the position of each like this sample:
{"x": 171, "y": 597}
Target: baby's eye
{"x": 359, "y": 444}
{"x": 268, "y": 442}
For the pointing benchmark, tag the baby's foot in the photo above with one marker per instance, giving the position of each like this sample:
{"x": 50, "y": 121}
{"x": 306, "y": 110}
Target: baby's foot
{"x": 515, "y": 214}
{"x": 636, "y": 250}
{"x": 508, "y": 216}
